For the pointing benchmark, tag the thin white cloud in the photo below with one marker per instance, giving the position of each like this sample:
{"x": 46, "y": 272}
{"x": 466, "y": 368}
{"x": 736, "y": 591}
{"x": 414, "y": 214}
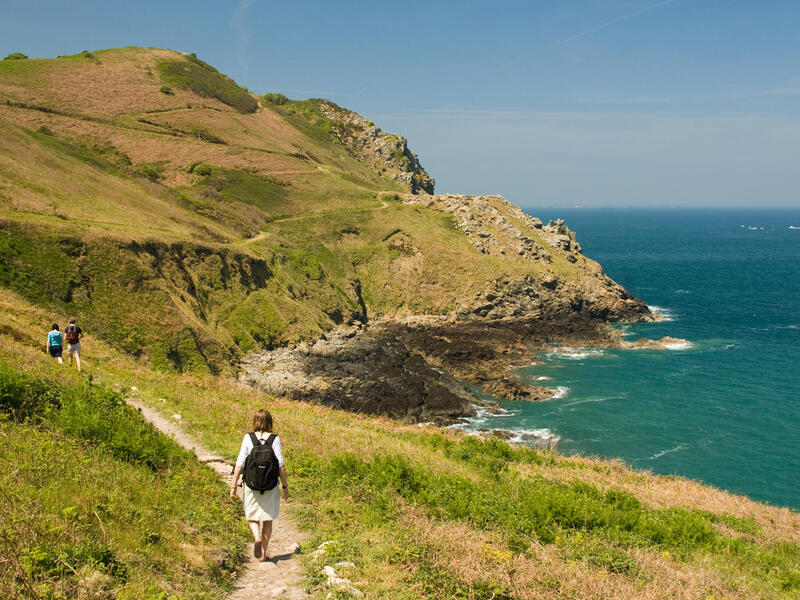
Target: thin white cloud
{"x": 635, "y": 13}
{"x": 241, "y": 32}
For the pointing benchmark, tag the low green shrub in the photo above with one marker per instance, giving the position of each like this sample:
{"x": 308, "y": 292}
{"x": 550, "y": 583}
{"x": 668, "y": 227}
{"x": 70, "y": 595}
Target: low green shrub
{"x": 205, "y": 81}
{"x": 15, "y": 56}
{"x": 93, "y": 413}
{"x": 151, "y": 171}
{"x": 526, "y": 507}
{"x": 202, "y": 169}
{"x": 277, "y": 99}
{"x": 165, "y": 89}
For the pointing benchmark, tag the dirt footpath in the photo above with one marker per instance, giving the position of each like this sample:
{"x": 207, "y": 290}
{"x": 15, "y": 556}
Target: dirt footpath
{"x": 282, "y": 575}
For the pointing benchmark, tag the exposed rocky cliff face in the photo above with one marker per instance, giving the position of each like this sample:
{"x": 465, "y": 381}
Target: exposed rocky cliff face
{"x": 388, "y": 152}
{"x": 498, "y": 228}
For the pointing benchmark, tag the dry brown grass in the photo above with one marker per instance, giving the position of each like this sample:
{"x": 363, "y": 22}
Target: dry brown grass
{"x": 546, "y": 572}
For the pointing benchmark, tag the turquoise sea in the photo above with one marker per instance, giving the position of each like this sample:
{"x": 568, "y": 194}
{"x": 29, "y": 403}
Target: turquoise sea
{"x": 726, "y": 410}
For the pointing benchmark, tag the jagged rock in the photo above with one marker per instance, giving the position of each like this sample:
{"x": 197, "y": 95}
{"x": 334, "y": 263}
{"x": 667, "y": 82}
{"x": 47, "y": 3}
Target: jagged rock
{"x": 502, "y": 434}
{"x": 369, "y": 371}
{"x": 665, "y": 343}
{"x": 512, "y": 388}
{"x": 388, "y": 152}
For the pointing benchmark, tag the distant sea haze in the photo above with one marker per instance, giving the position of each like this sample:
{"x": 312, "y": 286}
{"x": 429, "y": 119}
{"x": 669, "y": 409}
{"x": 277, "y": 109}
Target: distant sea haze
{"x": 725, "y": 410}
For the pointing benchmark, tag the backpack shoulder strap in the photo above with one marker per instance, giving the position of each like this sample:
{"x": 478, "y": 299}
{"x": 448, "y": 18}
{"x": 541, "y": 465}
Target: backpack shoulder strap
{"x": 271, "y": 439}
{"x": 254, "y": 439}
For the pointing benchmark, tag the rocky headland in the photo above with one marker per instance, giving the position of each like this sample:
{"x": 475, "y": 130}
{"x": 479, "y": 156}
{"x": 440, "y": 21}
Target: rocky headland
{"x": 424, "y": 368}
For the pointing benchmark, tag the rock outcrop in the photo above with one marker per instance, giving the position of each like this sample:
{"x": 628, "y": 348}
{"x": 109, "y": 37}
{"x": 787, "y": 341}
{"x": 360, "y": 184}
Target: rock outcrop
{"x": 513, "y": 388}
{"x": 497, "y": 227}
{"x": 388, "y": 152}
{"x": 665, "y": 343}
{"x": 361, "y": 370}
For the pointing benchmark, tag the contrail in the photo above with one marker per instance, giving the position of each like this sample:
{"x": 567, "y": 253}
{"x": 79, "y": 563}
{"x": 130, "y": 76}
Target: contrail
{"x": 238, "y": 23}
{"x": 609, "y": 23}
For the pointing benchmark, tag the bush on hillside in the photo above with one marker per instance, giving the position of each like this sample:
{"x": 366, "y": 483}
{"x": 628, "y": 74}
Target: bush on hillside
{"x": 16, "y": 56}
{"x": 165, "y": 89}
{"x": 88, "y": 412}
{"x": 205, "y": 81}
{"x": 151, "y": 171}
{"x": 202, "y": 169}
{"x": 277, "y": 99}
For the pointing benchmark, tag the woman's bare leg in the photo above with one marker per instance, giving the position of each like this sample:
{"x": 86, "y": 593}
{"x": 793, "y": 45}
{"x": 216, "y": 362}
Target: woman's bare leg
{"x": 266, "y": 533}
{"x": 255, "y": 528}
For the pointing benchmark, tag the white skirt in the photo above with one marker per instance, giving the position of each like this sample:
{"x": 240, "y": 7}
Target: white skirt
{"x": 262, "y": 507}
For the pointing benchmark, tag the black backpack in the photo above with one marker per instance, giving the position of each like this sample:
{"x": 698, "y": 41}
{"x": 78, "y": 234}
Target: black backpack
{"x": 261, "y": 465}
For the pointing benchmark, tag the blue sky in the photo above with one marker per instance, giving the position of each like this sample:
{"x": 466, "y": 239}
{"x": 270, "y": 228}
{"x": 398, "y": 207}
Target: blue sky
{"x": 550, "y": 103}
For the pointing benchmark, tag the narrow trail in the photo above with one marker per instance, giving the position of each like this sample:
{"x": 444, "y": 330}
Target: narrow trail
{"x": 280, "y": 577}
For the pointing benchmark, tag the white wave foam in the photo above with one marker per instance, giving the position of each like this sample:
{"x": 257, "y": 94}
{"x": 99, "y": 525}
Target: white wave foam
{"x": 575, "y": 353}
{"x": 664, "y": 312}
{"x": 542, "y": 378}
{"x": 560, "y": 392}
{"x": 683, "y": 291}
{"x": 584, "y": 401}
{"x": 661, "y": 453}
{"x": 534, "y": 437}
{"x": 678, "y": 346}
{"x": 481, "y": 412}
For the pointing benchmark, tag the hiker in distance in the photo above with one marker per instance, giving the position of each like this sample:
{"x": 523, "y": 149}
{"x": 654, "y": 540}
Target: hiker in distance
{"x": 55, "y": 343}
{"x": 261, "y": 461}
{"x": 74, "y": 334}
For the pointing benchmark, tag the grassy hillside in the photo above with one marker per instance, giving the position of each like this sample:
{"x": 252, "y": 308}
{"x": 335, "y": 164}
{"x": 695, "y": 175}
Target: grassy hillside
{"x": 97, "y": 504}
{"x": 187, "y": 221}
{"x": 426, "y": 513}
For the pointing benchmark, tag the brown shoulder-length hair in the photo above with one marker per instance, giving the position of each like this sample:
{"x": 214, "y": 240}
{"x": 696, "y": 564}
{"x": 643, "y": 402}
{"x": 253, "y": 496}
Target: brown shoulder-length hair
{"x": 262, "y": 421}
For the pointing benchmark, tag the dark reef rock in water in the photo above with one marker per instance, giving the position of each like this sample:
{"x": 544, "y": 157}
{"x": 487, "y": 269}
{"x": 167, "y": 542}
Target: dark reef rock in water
{"x": 513, "y": 388}
{"x": 410, "y": 369}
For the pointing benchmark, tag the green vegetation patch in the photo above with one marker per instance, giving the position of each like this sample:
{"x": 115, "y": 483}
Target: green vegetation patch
{"x": 97, "y": 504}
{"x": 584, "y": 523}
{"x": 232, "y": 185}
{"x": 205, "y": 81}
{"x": 305, "y": 115}
{"x": 16, "y": 56}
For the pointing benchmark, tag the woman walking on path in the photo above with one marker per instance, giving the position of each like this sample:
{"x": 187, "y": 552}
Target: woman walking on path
{"x": 261, "y": 507}
{"x": 55, "y": 343}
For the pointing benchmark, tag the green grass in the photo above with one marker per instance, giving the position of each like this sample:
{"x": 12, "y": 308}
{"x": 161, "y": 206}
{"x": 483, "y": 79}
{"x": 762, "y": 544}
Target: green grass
{"x": 205, "y": 81}
{"x": 305, "y": 115}
{"x": 585, "y": 523}
{"x": 96, "y": 503}
{"x": 229, "y": 185}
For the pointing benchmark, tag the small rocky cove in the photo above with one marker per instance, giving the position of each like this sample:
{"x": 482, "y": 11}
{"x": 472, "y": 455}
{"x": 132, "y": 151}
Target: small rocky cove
{"x": 423, "y": 369}
{"x": 441, "y": 368}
